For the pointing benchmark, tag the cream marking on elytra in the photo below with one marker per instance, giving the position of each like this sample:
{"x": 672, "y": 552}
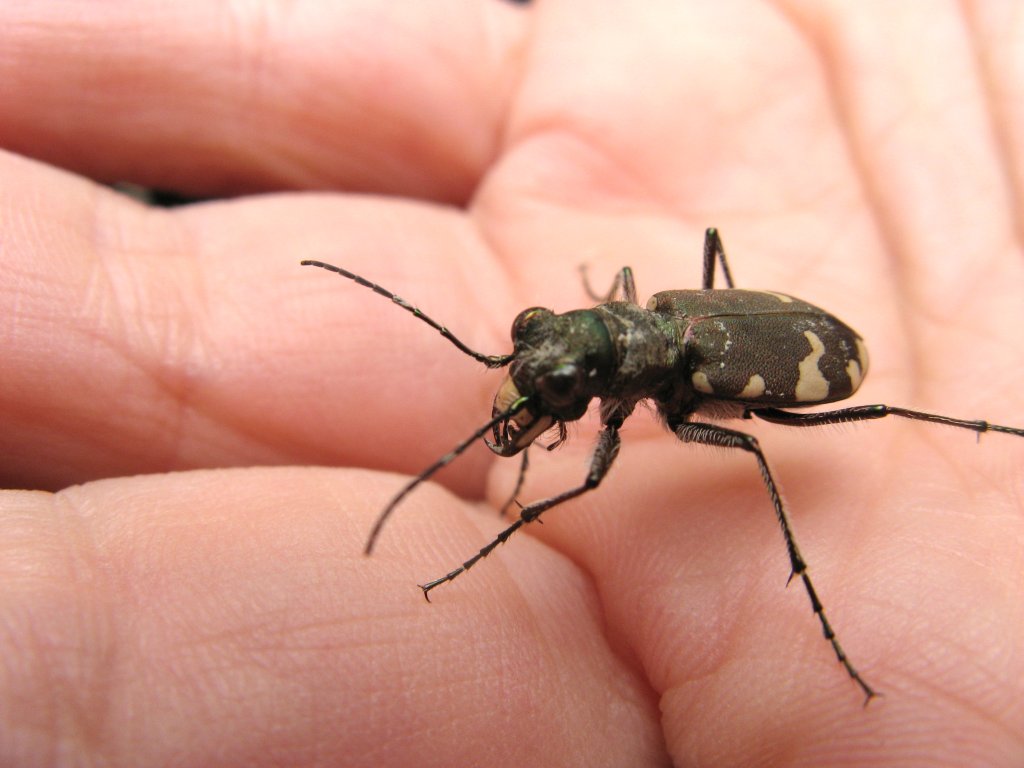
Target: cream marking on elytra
{"x": 780, "y": 296}
{"x": 754, "y": 388}
{"x": 853, "y": 371}
{"x": 701, "y": 383}
{"x": 811, "y": 385}
{"x": 862, "y": 356}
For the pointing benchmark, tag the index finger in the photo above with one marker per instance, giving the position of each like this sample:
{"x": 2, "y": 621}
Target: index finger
{"x": 229, "y": 98}
{"x": 142, "y": 340}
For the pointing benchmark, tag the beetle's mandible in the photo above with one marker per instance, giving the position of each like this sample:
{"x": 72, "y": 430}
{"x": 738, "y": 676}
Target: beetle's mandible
{"x": 709, "y": 352}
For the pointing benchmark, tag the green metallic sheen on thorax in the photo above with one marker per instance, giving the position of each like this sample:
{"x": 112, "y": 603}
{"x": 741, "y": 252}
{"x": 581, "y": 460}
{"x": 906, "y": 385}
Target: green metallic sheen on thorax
{"x": 646, "y": 348}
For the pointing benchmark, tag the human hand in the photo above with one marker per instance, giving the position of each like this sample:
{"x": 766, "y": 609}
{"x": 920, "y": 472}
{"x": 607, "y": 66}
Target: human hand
{"x": 869, "y": 164}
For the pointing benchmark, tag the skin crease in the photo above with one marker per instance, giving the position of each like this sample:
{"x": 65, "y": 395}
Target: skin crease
{"x": 181, "y": 586}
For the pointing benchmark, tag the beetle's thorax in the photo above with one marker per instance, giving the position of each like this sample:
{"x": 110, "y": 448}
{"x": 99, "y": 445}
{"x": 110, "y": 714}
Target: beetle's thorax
{"x": 646, "y": 349}
{"x": 616, "y": 350}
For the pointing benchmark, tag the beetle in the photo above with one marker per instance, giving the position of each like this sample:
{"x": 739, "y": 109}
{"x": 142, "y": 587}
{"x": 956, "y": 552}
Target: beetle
{"x": 712, "y": 352}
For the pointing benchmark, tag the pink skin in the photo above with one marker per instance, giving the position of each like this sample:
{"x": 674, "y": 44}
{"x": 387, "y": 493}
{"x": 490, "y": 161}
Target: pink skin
{"x": 868, "y": 158}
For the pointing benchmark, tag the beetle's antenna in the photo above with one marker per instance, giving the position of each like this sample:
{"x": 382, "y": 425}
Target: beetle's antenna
{"x": 491, "y": 361}
{"x": 448, "y": 458}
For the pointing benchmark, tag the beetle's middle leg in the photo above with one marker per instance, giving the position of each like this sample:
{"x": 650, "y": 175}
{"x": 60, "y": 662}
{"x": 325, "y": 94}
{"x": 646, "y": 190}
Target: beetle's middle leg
{"x": 712, "y": 434}
{"x": 713, "y": 250}
{"x": 604, "y": 454}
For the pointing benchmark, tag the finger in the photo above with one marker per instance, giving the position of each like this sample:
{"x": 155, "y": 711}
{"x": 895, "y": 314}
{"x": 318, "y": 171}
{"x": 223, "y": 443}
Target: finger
{"x": 131, "y": 606}
{"x": 140, "y": 340}
{"x": 222, "y": 99}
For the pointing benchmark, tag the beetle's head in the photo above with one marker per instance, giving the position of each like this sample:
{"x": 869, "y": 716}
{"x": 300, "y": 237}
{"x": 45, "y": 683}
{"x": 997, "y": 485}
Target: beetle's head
{"x": 559, "y": 363}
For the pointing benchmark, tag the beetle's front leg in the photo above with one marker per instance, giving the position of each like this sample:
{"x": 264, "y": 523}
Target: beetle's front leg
{"x": 623, "y": 279}
{"x": 524, "y": 464}
{"x": 604, "y": 454}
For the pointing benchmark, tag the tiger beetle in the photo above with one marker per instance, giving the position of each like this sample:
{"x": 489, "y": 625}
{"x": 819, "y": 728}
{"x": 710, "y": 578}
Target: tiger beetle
{"x": 723, "y": 353}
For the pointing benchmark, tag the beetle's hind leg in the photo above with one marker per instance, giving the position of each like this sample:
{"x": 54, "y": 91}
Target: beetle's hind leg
{"x": 867, "y": 412}
{"x": 623, "y": 280}
{"x": 712, "y": 434}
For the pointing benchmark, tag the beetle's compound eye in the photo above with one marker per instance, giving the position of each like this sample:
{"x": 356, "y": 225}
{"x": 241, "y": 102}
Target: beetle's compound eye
{"x": 562, "y": 385}
{"x": 524, "y": 318}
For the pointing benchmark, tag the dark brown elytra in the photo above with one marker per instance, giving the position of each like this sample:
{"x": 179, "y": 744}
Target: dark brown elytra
{"x": 710, "y": 352}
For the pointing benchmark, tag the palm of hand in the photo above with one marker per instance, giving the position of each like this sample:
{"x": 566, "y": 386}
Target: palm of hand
{"x": 660, "y": 591}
